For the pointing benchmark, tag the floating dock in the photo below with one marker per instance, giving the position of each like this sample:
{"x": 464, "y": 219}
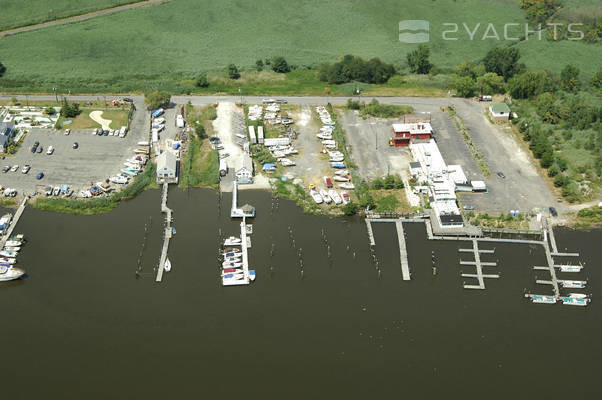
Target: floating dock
{"x": 167, "y": 235}
{"x": 13, "y": 223}
{"x": 403, "y": 254}
{"x": 479, "y": 276}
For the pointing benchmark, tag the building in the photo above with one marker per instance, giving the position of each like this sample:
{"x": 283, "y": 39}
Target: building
{"x": 252, "y": 136}
{"x": 406, "y": 133}
{"x": 244, "y": 175}
{"x": 499, "y": 112}
{"x": 167, "y": 167}
{"x": 7, "y": 132}
{"x": 281, "y": 141}
{"x": 415, "y": 169}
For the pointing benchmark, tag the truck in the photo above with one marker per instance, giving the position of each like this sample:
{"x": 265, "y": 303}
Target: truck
{"x": 223, "y": 167}
{"x": 485, "y": 98}
{"x": 179, "y": 121}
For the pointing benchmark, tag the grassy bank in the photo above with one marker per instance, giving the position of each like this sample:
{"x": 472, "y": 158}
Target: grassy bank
{"x": 101, "y": 204}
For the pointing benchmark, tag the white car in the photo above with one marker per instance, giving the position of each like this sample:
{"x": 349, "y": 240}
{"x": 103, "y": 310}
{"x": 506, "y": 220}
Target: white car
{"x": 67, "y": 131}
{"x": 111, "y": 132}
{"x": 50, "y": 150}
{"x": 25, "y": 169}
{"x": 94, "y": 131}
{"x": 14, "y": 168}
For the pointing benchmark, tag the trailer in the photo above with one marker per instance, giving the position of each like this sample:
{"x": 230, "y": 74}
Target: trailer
{"x": 158, "y": 112}
{"x": 223, "y": 167}
{"x": 252, "y": 137}
{"x": 260, "y": 134}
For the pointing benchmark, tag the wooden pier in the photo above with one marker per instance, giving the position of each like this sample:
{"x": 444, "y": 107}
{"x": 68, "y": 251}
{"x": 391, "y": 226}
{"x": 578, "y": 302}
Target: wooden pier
{"x": 167, "y": 235}
{"x": 554, "y": 280}
{"x": 370, "y": 233}
{"x": 13, "y": 223}
{"x": 403, "y": 254}
{"x": 551, "y": 237}
{"x": 480, "y": 276}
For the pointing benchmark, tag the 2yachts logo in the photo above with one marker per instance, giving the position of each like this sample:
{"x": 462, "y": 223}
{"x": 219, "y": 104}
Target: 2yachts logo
{"x": 414, "y": 25}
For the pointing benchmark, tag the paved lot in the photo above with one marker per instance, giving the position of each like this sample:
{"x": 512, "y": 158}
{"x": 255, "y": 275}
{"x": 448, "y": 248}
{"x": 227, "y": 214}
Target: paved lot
{"x": 97, "y": 157}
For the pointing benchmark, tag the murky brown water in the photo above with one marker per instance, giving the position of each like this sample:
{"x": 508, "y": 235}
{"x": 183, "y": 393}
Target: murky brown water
{"x": 81, "y": 326}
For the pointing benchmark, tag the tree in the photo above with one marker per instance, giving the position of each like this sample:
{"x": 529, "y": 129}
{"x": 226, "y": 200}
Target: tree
{"x": 569, "y": 78}
{"x": 202, "y": 81}
{"x": 418, "y": 60}
{"x": 503, "y": 61}
{"x": 539, "y": 10}
{"x": 597, "y": 79}
{"x": 280, "y": 65}
{"x": 491, "y": 83}
{"x": 259, "y": 65}
{"x": 200, "y": 131}
{"x": 466, "y": 69}
{"x": 232, "y": 71}
{"x": 2, "y": 69}
{"x": 69, "y": 110}
{"x": 350, "y": 68}
{"x": 530, "y": 84}
{"x": 465, "y": 86}
{"x": 350, "y": 208}
{"x": 156, "y": 99}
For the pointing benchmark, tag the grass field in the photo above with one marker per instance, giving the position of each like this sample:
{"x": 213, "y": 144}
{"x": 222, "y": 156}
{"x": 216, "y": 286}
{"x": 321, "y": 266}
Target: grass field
{"x": 166, "y": 46}
{"x": 118, "y": 119}
{"x": 15, "y": 13}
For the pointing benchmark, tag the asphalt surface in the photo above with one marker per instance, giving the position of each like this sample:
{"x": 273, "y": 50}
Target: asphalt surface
{"x": 522, "y": 189}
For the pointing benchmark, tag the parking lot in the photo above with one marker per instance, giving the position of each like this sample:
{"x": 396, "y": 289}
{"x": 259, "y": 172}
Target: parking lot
{"x": 95, "y": 159}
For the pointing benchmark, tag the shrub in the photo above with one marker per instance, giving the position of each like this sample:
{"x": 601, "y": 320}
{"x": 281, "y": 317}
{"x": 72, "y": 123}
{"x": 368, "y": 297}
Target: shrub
{"x": 259, "y": 65}
{"x": 569, "y": 78}
{"x": 202, "y": 81}
{"x": 353, "y": 104}
{"x": 280, "y": 65}
{"x": 69, "y": 110}
{"x": 232, "y": 71}
{"x": 465, "y": 86}
{"x": 350, "y": 209}
{"x": 352, "y": 68}
{"x": 156, "y": 99}
{"x": 418, "y": 60}
{"x": 531, "y": 84}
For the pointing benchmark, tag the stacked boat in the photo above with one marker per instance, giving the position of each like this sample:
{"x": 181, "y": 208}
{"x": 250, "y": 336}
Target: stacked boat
{"x": 8, "y": 257}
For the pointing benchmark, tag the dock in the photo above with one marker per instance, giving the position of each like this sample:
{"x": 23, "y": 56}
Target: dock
{"x": 551, "y": 237}
{"x": 13, "y": 223}
{"x": 167, "y": 235}
{"x": 479, "y": 276}
{"x": 403, "y": 254}
{"x": 242, "y": 212}
{"x": 554, "y": 280}
{"x": 370, "y": 233}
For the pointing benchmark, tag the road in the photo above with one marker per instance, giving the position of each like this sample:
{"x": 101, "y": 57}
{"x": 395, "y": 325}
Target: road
{"x": 82, "y": 17}
{"x": 522, "y": 189}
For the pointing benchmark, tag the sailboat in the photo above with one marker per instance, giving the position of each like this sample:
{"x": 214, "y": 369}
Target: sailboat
{"x": 167, "y": 266}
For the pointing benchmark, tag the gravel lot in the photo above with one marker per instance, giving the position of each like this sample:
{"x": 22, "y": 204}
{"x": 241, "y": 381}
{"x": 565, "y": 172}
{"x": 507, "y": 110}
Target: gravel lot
{"x": 95, "y": 160}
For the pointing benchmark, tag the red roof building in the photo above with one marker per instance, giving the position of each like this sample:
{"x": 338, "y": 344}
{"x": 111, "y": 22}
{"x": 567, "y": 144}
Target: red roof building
{"x": 406, "y": 133}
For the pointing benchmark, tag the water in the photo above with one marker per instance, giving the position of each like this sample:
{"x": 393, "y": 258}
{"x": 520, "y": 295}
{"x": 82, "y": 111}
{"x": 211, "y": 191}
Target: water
{"x": 82, "y": 326}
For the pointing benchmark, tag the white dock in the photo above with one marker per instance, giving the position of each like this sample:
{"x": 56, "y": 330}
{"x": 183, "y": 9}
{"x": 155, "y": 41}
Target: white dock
{"x": 479, "y": 276}
{"x": 370, "y": 233}
{"x": 552, "y": 270}
{"x": 13, "y": 223}
{"x": 167, "y": 234}
{"x": 403, "y": 254}
{"x": 551, "y": 237}
{"x": 245, "y": 253}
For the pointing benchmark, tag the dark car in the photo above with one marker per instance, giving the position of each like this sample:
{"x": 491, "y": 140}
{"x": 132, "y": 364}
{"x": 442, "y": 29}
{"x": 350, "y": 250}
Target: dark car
{"x": 5, "y": 169}
{"x": 75, "y": 145}
{"x": 128, "y": 100}
{"x": 553, "y": 212}
{"x": 40, "y": 175}
{"x": 282, "y": 101}
{"x": 501, "y": 175}
{"x": 34, "y": 148}
{"x": 36, "y": 143}
{"x": 105, "y": 132}
{"x": 40, "y": 149}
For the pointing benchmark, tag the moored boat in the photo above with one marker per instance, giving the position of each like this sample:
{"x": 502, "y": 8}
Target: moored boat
{"x": 573, "y": 301}
{"x": 570, "y": 268}
{"x": 227, "y": 265}
{"x": 232, "y": 259}
{"x": 167, "y": 266}
{"x": 8, "y": 253}
{"x": 543, "y": 299}
{"x": 232, "y": 254}
{"x": 252, "y": 274}
{"x": 13, "y": 243}
{"x": 572, "y": 284}
{"x": 5, "y": 260}
{"x": 9, "y": 273}
{"x": 232, "y": 241}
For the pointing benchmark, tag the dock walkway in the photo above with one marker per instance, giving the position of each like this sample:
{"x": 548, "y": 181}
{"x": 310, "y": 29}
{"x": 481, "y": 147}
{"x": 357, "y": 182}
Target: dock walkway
{"x": 480, "y": 276}
{"x": 13, "y": 224}
{"x": 370, "y": 233}
{"x": 403, "y": 254}
{"x": 167, "y": 234}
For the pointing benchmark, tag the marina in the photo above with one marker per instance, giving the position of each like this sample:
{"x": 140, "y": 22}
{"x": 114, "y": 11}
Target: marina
{"x": 168, "y": 232}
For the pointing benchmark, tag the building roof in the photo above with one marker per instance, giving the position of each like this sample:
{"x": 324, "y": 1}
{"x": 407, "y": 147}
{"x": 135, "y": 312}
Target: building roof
{"x": 415, "y": 164}
{"x": 414, "y": 129}
{"x": 6, "y": 128}
{"x": 451, "y": 218}
{"x": 500, "y": 108}
{"x": 167, "y": 159}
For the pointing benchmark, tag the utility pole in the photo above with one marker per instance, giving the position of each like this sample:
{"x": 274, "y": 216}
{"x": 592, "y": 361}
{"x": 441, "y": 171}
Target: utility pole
{"x": 56, "y": 97}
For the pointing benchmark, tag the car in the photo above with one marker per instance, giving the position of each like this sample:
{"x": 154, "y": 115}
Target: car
{"x": 128, "y": 100}
{"x": 111, "y": 132}
{"x": 34, "y": 148}
{"x": 75, "y": 145}
{"x": 268, "y": 101}
{"x": 105, "y": 132}
{"x": 224, "y": 155}
{"x": 25, "y": 169}
{"x": 67, "y": 131}
{"x": 282, "y": 101}
{"x": 50, "y": 150}
{"x": 6, "y": 169}
{"x": 553, "y": 212}
{"x": 14, "y": 168}
{"x": 501, "y": 175}
{"x": 40, "y": 149}
{"x": 40, "y": 175}
{"x": 36, "y": 143}
{"x": 94, "y": 131}
{"x": 468, "y": 207}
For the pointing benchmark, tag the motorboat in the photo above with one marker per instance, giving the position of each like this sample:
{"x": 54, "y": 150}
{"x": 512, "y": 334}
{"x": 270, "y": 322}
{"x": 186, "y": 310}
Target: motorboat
{"x": 543, "y": 299}
{"x": 5, "y": 260}
{"x": 335, "y": 196}
{"x": 339, "y": 165}
{"x": 8, "y": 273}
{"x": 286, "y": 162}
{"x": 330, "y": 146}
{"x": 232, "y": 254}
{"x": 346, "y": 198}
{"x": 316, "y": 196}
{"x": 251, "y": 274}
{"x": 347, "y": 186}
{"x": 229, "y": 264}
{"x": 572, "y": 284}
{"x": 325, "y": 196}
{"x": 167, "y": 266}
{"x": 129, "y": 171}
{"x": 570, "y": 268}
{"x": 8, "y": 253}
{"x": 12, "y": 248}
{"x": 232, "y": 259}
{"x": 13, "y": 243}
{"x": 340, "y": 178}
{"x": 343, "y": 172}
{"x": 232, "y": 241}
{"x": 231, "y": 270}
{"x": 239, "y": 274}
{"x": 120, "y": 179}
{"x": 337, "y": 159}
{"x": 324, "y": 136}
{"x": 578, "y": 295}
{"x": 573, "y": 301}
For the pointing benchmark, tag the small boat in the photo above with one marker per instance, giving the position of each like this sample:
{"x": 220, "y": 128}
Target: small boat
{"x": 252, "y": 274}
{"x": 5, "y": 260}
{"x": 12, "y": 248}
{"x": 346, "y": 198}
{"x": 578, "y": 295}
{"x": 13, "y": 243}
{"x": 167, "y": 266}
{"x": 573, "y": 284}
{"x": 572, "y": 301}
{"x": 286, "y": 162}
{"x": 343, "y": 172}
{"x": 543, "y": 299}
{"x": 347, "y": 185}
{"x": 327, "y": 182}
{"x": 129, "y": 171}
{"x": 8, "y": 254}
{"x": 335, "y": 196}
{"x": 325, "y": 196}
{"x": 233, "y": 276}
{"x": 232, "y": 254}
{"x": 232, "y": 241}
{"x": 231, "y": 270}
{"x": 227, "y": 264}
{"x": 337, "y": 159}
{"x": 10, "y": 273}
{"x": 570, "y": 268}
{"x": 316, "y": 196}
{"x": 337, "y": 165}
{"x": 340, "y": 178}
{"x": 120, "y": 179}
{"x": 231, "y": 259}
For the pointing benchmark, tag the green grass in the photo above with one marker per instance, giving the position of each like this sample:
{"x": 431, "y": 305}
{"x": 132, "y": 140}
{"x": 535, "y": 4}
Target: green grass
{"x": 200, "y": 167}
{"x": 118, "y": 119}
{"x": 16, "y": 13}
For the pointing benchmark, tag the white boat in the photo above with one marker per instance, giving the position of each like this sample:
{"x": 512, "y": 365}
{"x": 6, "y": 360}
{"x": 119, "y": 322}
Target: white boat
{"x": 232, "y": 241}
{"x": 8, "y": 253}
{"x": 342, "y": 172}
{"x": 573, "y": 284}
{"x": 325, "y": 142}
{"x": 543, "y": 299}
{"x": 346, "y": 198}
{"x": 347, "y": 186}
{"x": 232, "y": 254}
{"x": 238, "y": 274}
{"x": 573, "y": 301}
{"x": 5, "y": 260}
{"x": 231, "y": 270}
{"x": 229, "y": 264}
{"x": 570, "y": 268}
{"x": 291, "y": 150}
{"x": 10, "y": 273}
{"x": 335, "y": 196}
{"x": 167, "y": 266}
{"x": 340, "y": 178}
{"x": 120, "y": 179}
{"x": 232, "y": 259}
{"x": 324, "y": 136}
{"x": 337, "y": 159}
{"x": 286, "y": 162}
{"x": 12, "y": 248}
{"x": 13, "y": 243}
{"x": 331, "y": 146}
{"x": 578, "y": 295}
{"x": 316, "y": 196}
{"x": 252, "y": 274}
{"x": 325, "y": 196}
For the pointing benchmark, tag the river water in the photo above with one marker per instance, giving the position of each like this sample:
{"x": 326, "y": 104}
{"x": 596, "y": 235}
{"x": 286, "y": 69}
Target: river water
{"x": 81, "y": 326}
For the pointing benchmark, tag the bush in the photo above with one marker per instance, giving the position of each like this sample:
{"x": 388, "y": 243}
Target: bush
{"x": 350, "y": 209}
{"x": 352, "y": 68}
{"x": 597, "y": 79}
{"x": 2, "y": 69}
{"x": 491, "y": 83}
{"x": 503, "y": 61}
{"x": 418, "y": 60}
{"x": 378, "y": 110}
{"x": 202, "y": 81}
{"x": 569, "y": 78}
{"x": 353, "y": 104}
{"x": 259, "y": 65}
{"x": 49, "y": 111}
{"x": 69, "y": 110}
{"x": 199, "y": 130}
{"x": 232, "y": 71}
{"x": 465, "y": 86}
{"x": 531, "y": 84}
{"x": 280, "y": 65}
{"x": 156, "y": 99}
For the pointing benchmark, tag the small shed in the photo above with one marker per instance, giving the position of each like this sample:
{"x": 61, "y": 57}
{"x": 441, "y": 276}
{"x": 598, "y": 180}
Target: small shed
{"x": 167, "y": 168}
{"x": 499, "y": 112}
{"x": 479, "y": 186}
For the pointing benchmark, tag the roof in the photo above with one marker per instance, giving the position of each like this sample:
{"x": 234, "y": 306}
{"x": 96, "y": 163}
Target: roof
{"x": 167, "y": 159}
{"x": 7, "y": 128}
{"x": 247, "y": 162}
{"x": 451, "y": 218}
{"x": 478, "y": 185}
{"x": 500, "y": 108}
{"x": 417, "y": 128}
{"x": 415, "y": 164}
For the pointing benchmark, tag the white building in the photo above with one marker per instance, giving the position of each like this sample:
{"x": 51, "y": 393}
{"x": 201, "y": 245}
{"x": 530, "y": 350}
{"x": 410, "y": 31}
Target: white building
{"x": 282, "y": 141}
{"x": 244, "y": 175}
{"x": 167, "y": 168}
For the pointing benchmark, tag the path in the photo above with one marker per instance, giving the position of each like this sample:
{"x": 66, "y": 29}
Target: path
{"x": 97, "y": 117}
{"x": 83, "y": 17}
